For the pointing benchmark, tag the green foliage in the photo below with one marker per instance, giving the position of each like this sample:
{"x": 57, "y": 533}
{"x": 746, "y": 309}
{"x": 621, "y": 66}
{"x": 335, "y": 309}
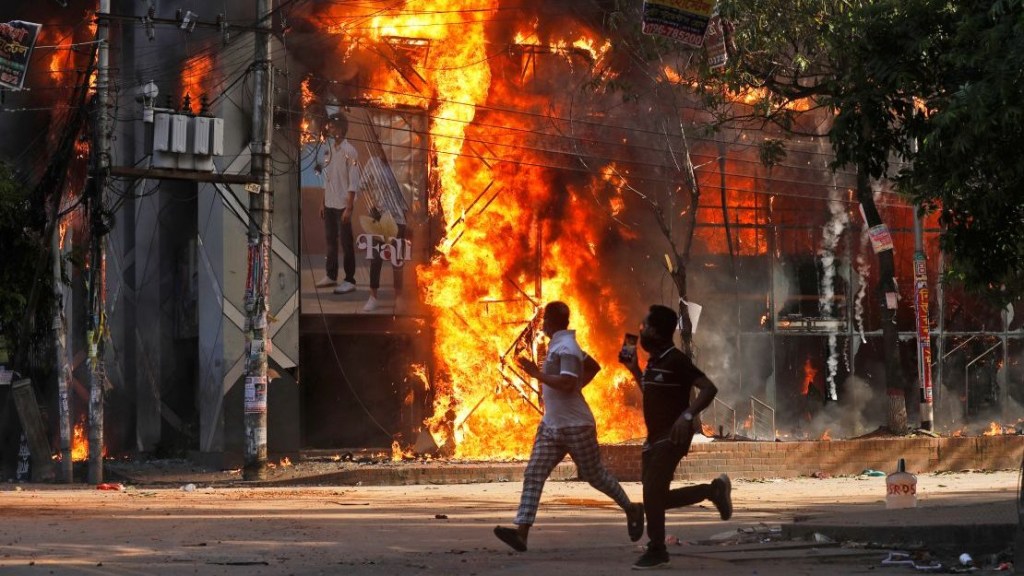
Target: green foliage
{"x": 937, "y": 85}
{"x": 22, "y": 249}
{"x": 13, "y": 212}
{"x": 945, "y": 76}
{"x": 772, "y": 151}
{"x": 969, "y": 165}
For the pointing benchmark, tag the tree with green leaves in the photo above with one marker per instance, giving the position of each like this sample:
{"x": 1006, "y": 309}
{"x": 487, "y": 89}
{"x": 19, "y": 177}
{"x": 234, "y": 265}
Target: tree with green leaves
{"x": 937, "y": 85}
{"x": 24, "y": 322}
{"x": 968, "y": 165}
{"x": 868, "y": 63}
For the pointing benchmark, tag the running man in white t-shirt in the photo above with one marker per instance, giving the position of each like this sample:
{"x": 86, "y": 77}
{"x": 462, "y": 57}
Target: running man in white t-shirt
{"x": 567, "y": 427}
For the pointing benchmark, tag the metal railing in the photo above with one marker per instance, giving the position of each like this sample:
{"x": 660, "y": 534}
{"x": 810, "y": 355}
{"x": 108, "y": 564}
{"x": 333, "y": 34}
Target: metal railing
{"x": 762, "y": 420}
{"x": 967, "y": 379}
{"x": 959, "y": 346}
{"x": 722, "y": 414}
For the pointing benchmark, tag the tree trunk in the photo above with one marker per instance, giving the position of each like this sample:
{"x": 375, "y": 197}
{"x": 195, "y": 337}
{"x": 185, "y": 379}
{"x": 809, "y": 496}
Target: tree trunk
{"x": 682, "y": 256}
{"x": 685, "y": 326}
{"x": 888, "y": 299}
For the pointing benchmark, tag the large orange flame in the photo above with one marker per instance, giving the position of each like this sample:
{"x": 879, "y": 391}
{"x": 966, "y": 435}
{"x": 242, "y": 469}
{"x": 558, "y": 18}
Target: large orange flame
{"x": 503, "y": 252}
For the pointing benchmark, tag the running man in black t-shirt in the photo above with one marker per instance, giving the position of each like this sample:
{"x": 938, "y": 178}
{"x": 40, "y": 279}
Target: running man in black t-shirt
{"x": 667, "y": 383}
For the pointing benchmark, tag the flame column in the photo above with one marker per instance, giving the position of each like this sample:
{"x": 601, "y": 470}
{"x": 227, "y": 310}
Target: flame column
{"x": 257, "y": 293}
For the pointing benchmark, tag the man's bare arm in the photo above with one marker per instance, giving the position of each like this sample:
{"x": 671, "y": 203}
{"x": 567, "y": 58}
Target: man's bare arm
{"x": 705, "y": 395}
{"x": 683, "y": 427}
{"x": 562, "y": 382}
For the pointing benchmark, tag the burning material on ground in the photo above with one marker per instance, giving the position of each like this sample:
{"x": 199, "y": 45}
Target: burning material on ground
{"x": 997, "y": 429}
{"x": 79, "y": 443}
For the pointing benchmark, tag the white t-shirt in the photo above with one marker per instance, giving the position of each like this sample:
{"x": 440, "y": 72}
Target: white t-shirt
{"x": 564, "y": 409}
{"x": 341, "y": 172}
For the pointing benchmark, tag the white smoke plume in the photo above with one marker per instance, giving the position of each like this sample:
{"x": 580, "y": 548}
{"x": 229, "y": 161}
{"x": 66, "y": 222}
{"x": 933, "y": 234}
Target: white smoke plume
{"x": 832, "y": 233}
{"x": 863, "y": 272}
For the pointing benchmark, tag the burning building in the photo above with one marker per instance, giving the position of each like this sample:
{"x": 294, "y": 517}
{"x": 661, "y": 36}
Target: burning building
{"x": 511, "y": 155}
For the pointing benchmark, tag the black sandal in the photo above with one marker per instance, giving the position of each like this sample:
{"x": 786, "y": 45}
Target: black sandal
{"x": 511, "y": 537}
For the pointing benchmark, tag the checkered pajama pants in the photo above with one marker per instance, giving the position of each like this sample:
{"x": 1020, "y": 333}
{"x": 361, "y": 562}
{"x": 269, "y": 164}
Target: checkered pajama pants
{"x": 549, "y": 448}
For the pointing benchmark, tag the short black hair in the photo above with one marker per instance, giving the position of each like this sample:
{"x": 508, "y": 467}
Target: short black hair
{"x": 663, "y": 320}
{"x": 557, "y": 314}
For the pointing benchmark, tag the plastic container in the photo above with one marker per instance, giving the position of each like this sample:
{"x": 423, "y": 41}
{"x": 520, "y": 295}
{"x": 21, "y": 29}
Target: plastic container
{"x": 901, "y": 488}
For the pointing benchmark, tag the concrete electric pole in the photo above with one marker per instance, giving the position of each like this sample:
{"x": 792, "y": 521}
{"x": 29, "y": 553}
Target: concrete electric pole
{"x": 98, "y": 229}
{"x": 924, "y": 340}
{"x": 257, "y": 297}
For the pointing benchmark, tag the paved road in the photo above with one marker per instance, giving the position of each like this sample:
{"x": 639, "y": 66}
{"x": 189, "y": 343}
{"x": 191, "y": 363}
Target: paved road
{"x": 447, "y": 529}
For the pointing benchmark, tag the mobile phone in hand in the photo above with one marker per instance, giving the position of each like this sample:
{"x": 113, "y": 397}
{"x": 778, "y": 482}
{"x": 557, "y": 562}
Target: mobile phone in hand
{"x": 628, "y": 352}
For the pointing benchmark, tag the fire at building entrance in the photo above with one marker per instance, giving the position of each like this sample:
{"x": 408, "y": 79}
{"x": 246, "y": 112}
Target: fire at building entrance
{"x": 508, "y": 155}
{"x": 540, "y": 185}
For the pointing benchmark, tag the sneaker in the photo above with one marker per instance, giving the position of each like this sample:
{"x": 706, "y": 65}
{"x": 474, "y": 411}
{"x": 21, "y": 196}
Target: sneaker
{"x": 370, "y": 305}
{"x": 326, "y": 282}
{"x": 653, "y": 558}
{"x": 722, "y": 497}
{"x": 635, "y": 521}
{"x": 344, "y": 288}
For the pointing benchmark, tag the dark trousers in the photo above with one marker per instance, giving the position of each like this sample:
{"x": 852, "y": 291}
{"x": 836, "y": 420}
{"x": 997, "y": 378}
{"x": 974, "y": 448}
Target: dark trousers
{"x": 659, "y": 465}
{"x": 333, "y": 227}
{"x": 377, "y": 263}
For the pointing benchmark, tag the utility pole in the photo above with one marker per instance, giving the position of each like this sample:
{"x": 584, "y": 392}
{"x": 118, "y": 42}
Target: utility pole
{"x": 62, "y": 362}
{"x": 98, "y": 229}
{"x": 924, "y": 340}
{"x": 257, "y": 297}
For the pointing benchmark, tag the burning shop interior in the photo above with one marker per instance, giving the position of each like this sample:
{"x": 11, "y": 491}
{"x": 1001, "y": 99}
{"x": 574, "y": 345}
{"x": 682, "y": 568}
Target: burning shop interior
{"x": 510, "y": 155}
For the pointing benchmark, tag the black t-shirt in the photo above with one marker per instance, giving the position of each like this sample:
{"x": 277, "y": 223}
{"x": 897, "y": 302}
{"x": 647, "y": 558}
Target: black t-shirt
{"x": 667, "y": 382}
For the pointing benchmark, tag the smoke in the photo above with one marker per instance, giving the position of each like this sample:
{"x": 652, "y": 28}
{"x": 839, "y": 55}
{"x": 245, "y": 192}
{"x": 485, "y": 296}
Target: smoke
{"x": 863, "y": 268}
{"x": 716, "y": 355}
{"x": 832, "y": 233}
{"x": 852, "y": 415}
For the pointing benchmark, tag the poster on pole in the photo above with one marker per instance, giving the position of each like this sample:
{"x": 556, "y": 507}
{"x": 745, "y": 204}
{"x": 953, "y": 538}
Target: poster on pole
{"x": 17, "y": 39}
{"x": 682, "y": 20}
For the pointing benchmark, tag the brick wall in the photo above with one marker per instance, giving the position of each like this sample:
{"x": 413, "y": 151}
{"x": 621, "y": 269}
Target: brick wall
{"x": 838, "y": 457}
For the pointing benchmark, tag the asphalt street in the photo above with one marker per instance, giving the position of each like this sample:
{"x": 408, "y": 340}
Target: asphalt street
{"x": 447, "y": 529}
